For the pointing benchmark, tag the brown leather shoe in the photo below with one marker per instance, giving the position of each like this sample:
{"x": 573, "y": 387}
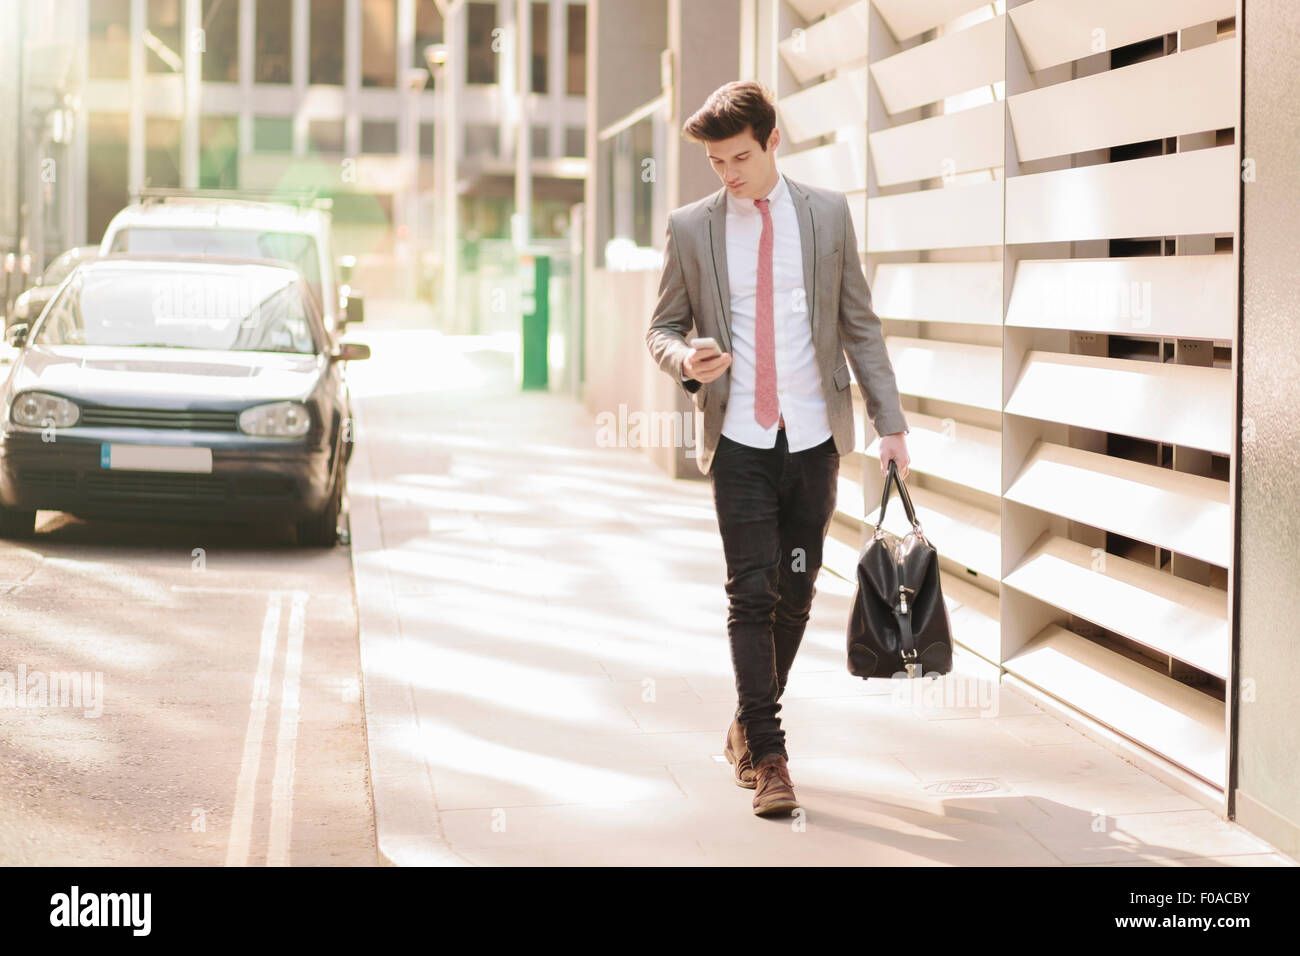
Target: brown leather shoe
{"x": 736, "y": 750}
{"x": 774, "y": 792}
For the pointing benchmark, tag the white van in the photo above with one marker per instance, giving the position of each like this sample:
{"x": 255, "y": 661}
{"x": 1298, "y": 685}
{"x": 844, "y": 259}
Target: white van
{"x": 227, "y": 223}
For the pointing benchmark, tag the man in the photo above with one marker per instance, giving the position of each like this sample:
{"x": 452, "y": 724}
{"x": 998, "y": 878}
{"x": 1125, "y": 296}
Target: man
{"x": 769, "y": 269}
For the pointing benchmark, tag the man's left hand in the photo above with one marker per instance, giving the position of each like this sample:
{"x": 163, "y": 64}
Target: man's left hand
{"x": 894, "y": 447}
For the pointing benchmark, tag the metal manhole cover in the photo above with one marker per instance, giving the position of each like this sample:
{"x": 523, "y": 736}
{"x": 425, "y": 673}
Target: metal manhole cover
{"x": 962, "y": 786}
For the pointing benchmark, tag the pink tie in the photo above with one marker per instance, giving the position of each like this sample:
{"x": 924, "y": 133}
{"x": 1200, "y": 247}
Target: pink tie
{"x": 765, "y": 404}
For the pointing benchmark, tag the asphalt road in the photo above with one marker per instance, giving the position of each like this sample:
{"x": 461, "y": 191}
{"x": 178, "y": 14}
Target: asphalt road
{"x": 176, "y": 695}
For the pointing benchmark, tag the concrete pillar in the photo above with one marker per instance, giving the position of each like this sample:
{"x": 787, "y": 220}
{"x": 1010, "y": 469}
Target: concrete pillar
{"x": 1265, "y": 670}
{"x": 192, "y": 60}
{"x": 135, "y": 110}
{"x": 705, "y": 40}
{"x": 299, "y": 47}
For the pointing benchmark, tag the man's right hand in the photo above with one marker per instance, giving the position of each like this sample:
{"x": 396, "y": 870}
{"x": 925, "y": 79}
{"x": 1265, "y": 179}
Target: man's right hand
{"x": 706, "y": 365}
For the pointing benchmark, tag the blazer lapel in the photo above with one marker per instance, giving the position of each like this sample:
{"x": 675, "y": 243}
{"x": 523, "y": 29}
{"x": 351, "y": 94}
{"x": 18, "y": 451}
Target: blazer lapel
{"x": 718, "y": 249}
{"x": 808, "y": 242}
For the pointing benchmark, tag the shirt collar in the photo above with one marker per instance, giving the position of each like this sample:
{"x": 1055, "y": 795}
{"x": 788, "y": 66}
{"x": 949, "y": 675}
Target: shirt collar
{"x": 748, "y": 206}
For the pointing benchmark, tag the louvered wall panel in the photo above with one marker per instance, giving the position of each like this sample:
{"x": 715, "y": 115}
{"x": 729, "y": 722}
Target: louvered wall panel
{"x": 947, "y": 371}
{"x": 839, "y": 103}
{"x": 1057, "y": 31}
{"x": 950, "y": 218}
{"x": 838, "y": 40}
{"x": 932, "y": 148}
{"x": 1168, "y": 614}
{"x": 1167, "y": 96}
{"x": 955, "y": 292}
{"x": 841, "y": 165}
{"x": 1183, "y": 296}
{"x": 1159, "y": 401}
{"x": 812, "y": 9}
{"x": 1179, "y": 194}
{"x": 963, "y": 454}
{"x": 1169, "y": 509}
{"x": 1167, "y": 717}
{"x": 936, "y": 120}
{"x": 907, "y": 18}
{"x": 942, "y": 67}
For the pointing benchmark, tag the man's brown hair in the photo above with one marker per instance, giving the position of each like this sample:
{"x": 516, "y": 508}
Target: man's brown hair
{"x": 730, "y": 109}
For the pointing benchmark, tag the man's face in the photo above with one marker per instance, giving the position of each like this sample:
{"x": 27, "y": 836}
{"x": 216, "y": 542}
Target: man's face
{"x": 747, "y": 171}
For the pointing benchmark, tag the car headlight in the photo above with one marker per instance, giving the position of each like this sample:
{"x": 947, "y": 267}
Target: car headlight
{"x": 39, "y": 410}
{"x": 278, "y": 419}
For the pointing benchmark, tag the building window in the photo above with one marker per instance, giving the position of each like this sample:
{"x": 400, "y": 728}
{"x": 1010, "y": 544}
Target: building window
{"x": 426, "y": 139}
{"x": 108, "y": 55}
{"x": 577, "y": 59}
{"x": 106, "y": 171}
{"x": 219, "y": 152}
{"x": 481, "y": 58}
{"x": 428, "y": 28}
{"x": 481, "y": 139}
{"x": 379, "y": 43}
{"x": 541, "y": 42}
{"x": 326, "y": 59}
{"x": 274, "y": 32}
{"x": 325, "y": 136}
{"x": 220, "y": 53}
{"x": 272, "y": 134}
{"x": 162, "y": 37}
{"x": 378, "y": 136}
{"x": 162, "y": 151}
{"x": 541, "y": 143}
{"x": 575, "y": 141}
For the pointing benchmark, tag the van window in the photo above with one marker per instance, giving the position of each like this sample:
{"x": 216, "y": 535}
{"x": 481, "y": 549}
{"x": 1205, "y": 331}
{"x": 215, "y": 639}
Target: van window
{"x": 296, "y": 248}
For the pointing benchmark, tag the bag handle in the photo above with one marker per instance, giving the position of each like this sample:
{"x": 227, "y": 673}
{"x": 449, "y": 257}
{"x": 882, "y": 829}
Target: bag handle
{"x": 892, "y": 477}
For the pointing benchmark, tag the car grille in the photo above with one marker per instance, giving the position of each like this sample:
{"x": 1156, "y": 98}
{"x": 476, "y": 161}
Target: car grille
{"x": 54, "y": 482}
{"x": 161, "y": 486}
{"x": 122, "y": 417}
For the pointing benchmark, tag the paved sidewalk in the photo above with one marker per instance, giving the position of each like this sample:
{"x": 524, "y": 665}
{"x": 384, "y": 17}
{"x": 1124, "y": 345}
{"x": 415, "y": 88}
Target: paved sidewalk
{"x": 547, "y": 678}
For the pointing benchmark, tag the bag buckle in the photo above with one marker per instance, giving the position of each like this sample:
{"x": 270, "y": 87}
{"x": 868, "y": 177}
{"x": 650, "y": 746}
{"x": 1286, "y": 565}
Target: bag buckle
{"x": 909, "y": 661}
{"x": 902, "y": 597}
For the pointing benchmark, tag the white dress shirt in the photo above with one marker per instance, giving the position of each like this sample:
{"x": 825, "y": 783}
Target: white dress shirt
{"x": 798, "y": 382}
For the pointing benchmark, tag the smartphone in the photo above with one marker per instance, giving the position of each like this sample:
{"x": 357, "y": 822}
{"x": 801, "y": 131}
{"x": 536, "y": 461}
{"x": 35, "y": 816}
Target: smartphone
{"x": 705, "y": 345}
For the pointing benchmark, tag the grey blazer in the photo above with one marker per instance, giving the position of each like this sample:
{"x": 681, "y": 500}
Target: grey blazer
{"x": 693, "y": 291}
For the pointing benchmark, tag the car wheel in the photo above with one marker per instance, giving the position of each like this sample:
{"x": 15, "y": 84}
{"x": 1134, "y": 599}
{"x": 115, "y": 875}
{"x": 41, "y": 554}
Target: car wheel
{"x": 17, "y": 524}
{"x": 322, "y": 530}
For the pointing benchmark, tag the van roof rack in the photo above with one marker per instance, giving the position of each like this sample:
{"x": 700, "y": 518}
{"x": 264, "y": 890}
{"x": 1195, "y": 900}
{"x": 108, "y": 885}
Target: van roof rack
{"x": 300, "y": 199}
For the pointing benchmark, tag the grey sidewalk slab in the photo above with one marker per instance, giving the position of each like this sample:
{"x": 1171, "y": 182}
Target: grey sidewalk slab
{"x": 547, "y": 679}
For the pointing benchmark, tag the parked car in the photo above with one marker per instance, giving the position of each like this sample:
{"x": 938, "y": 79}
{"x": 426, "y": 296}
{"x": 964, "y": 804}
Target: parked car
{"x": 28, "y": 305}
{"x": 181, "y": 388}
{"x": 229, "y": 223}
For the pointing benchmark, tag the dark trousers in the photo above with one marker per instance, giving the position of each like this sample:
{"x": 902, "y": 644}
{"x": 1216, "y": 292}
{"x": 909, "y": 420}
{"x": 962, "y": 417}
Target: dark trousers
{"x": 774, "y": 509}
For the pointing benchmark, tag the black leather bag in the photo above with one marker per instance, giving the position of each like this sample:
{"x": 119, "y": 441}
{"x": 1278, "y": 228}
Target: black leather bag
{"x": 899, "y": 626}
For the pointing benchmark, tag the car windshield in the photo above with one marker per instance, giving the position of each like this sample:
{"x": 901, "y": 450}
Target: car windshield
{"x": 250, "y": 310}
{"x": 297, "y": 248}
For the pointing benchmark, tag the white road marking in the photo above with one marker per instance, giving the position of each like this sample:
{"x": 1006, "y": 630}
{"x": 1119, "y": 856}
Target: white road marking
{"x": 241, "y": 819}
{"x": 277, "y": 853}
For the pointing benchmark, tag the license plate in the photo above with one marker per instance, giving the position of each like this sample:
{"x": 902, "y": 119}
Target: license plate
{"x": 156, "y": 458}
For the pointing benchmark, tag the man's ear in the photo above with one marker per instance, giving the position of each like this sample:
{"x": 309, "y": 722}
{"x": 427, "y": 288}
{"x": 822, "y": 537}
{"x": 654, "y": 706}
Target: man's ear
{"x": 774, "y": 140}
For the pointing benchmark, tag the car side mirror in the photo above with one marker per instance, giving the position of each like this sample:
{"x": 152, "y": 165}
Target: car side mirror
{"x": 16, "y": 335}
{"x": 354, "y": 310}
{"x": 350, "y": 352}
